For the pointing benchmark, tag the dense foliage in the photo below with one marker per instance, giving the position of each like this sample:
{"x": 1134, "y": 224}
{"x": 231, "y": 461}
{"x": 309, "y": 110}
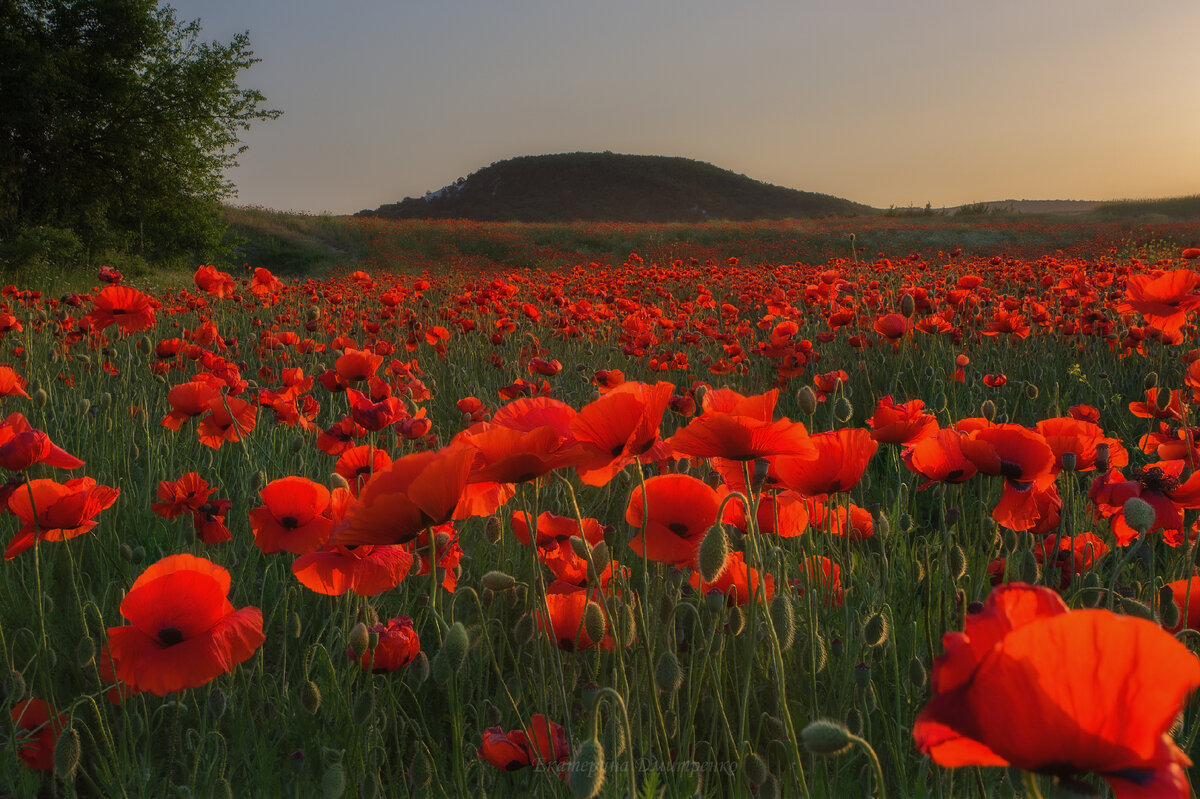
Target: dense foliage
{"x": 116, "y": 126}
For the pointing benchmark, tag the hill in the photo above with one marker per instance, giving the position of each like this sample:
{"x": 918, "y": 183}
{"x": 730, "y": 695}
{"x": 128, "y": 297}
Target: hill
{"x": 608, "y": 187}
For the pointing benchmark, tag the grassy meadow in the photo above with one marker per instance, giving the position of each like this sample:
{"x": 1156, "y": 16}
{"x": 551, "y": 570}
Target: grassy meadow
{"x": 689, "y": 489}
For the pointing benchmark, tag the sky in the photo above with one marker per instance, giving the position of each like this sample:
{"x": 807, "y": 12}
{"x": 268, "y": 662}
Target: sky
{"x": 884, "y": 102}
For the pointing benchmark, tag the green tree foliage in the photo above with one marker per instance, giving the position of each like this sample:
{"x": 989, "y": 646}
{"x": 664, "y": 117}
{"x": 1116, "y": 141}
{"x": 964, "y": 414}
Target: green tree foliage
{"x": 116, "y": 127}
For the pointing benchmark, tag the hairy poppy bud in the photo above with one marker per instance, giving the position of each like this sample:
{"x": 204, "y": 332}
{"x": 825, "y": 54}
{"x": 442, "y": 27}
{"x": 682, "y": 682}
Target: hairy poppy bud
{"x": 1139, "y": 514}
{"x": 806, "y": 399}
{"x": 876, "y": 630}
{"x": 783, "y": 619}
{"x": 917, "y": 675}
{"x": 1168, "y": 611}
{"x": 217, "y": 702}
{"x": 310, "y": 697}
{"x": 82, "y": 405}
{"x": 420, "y": 770}
{"x": 668, "y": 676}
{"x": 294, "y": 624}
{"x": 736, "y": 621}
{"x": 854, "y": 721}
{"x": 988, "y": 410}
{"x": 223, "y": 789}
{"x": 338, "y": 481}
{"x": 958, "y": 563}
{"x": 85, "y": 652}
{"x": 360, "y": 640}
{"x": 755, "y": 769}
{"x": 497, "y": 581}
{"x": 66, "y": 755}
{"x": 524, "y": 630}
{"x": 714, "y": 554}
{"x": 1031, "y": 391}
{"x": 1027, "y": 567}
{"x": 455, "y": 646}
{"x": 908, "y": 306}
{"x": 587, "y": 770}
{"x": 594, "y": 623}
{"x": 842, "y": 409}
{"x": 1131, "y": 607}
{"x": 492, "y": 529}
{"x": 333, "y": 782}
{"x": 418, "y": 670}
{"x": 826, "y": 737}
{"x": 820, "y": 655}
{"x": 14, "y": 687}
{"x": 1162, "y": 399}
{"x": 40, "y": 397}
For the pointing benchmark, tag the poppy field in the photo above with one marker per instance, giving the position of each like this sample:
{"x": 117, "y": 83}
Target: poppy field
{"x": 709, "y": 518}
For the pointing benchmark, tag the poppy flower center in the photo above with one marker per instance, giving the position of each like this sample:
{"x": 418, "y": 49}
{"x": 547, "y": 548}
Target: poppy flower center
{"x": 1010, "y": 470}
{"x": 169, "y": 636}
{"x": 1153, "y": 479}
{"x": 617, "y": 450}
{"x": 289, "y": 522}
{"x": 678, "y": 528}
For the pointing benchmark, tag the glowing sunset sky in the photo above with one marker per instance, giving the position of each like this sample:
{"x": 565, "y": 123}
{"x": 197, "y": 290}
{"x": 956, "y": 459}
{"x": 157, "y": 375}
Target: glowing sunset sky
{"x": 881, "y": 102}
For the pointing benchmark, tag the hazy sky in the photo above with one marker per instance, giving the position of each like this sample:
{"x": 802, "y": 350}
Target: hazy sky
{"x": 885, "y": 102}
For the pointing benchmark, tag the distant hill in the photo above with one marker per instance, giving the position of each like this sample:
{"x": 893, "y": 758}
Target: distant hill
{"x": 608, "y": 187}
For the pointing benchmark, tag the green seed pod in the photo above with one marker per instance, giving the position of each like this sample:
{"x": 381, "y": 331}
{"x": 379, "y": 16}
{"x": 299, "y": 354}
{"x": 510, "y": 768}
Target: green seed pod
{"x": 294, "y": 624}
{"x": 806, "y": 399}
{"x": 66, "y": 755}
{"x": 876, "y": 630}
{"x": 360, "y": 640}
{"x": 1010, "y": 540}
{"x": 364, "y": 708}
{"x": 854, "y": 721}
{"x": 714, "y": 554}
{"x": 958, "y": 563}
{"x": 783, "y": 619}
{"x": 217, "y": 702}
{"x": 333, "y": 782}
{"x": 594, "y": 623}
{"x": 139, "y": 554}
{"x": 524, "y": 630}
{"x": 455, "y": 646}
{"x": 14, "y": 687}
{"x": 1139, "y": 514}
{"x": 916, "y": 673}
{"x": 826, "y": 737}
{"x": 85, "y": 652}
{"x": 1069, "y": 461}
{"x": 842, "y": 409}
{"x": 862, "y": 676}
{"x": 736, "y": 621}
{"x": 587, "y": 770}
{"x": 1131, "y": 607}
{"x": 668, "y": 675}
{"x": 310, "y": 697}
{"x": 754, "y": 768}
{"x": 421, "y": 770}
{"x": 297, "y": 445}
{"x": 1027, "y": 567}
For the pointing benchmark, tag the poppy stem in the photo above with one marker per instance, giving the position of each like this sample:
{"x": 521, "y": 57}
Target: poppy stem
{"x": 870, "y": 750}
{"x": 1031, "y": 785}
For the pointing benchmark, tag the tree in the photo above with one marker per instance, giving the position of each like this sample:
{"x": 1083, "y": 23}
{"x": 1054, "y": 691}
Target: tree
{"x": 117, "y": 125}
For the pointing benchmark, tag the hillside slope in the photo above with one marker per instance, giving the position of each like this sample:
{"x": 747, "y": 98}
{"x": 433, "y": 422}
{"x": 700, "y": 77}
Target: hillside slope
{"x": 608, "y": 187}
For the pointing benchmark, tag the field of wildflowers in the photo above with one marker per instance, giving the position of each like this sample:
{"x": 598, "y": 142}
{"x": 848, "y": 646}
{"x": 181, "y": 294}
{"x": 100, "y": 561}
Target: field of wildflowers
{"x": 713, "y": 519}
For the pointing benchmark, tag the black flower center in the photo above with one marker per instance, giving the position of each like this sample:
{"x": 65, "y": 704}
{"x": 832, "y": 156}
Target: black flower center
{"x": 169, "y": 636}
{"x": 289, "y": 523}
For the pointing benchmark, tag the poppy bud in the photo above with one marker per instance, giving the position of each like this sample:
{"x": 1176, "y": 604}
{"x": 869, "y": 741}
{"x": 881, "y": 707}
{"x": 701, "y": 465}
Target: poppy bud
{"x": 66, "y": 755}
{"x": 876, "y": 630}
{"x": 1150, "y": 381}
{"x": 594, "y": 623}
{"x": 862, "y": 675}
{"x": 613, "y": 736}
{"x": 1162, "y": 399}
{"x": 497, "y": 581}
{"x": 418, "y": 670}
{"x": 1068, "y": 461}
{"x": 1132, "y": 607}
{"x": 854, "y": 721}
{"x": 736, "y": 621}
{"x": 958, "y": 562}
{"x": 917, "y": 675}
{"x": 783, "y": 619}
{"x": 1027, "y": 567}
{"x": 370, "y": 787}
{"x": 492, "y": 529}
{"x": 523, "y": 630}
{"x": 297, "y": 444}
{"x": 668, "y": 676}
{"x": 908, "y": 306}
{"x": 82, "y": 405}
{"x": 223, "y": 790}
{"x": 1010, "y": 540}
{"x": 988, "y": 410}
{"x": 587, "y": 770}
{"x": 826, "y": 737}
{"x": 294, "y": 625}
{"x": 1139, "y": 514}
{"x": 454, "y": 647}
{"x": 628, "y": 623}
{"x": 39, "y": 397}
{"x": 683, "y": 466}
{"x": 310, "y": 697}
{"x": 420, "y": 770}
{"x": 13, "y": 688}
{"x": 364, "y": 706}
{"x": 126, "y": 552}
{"x": 755, "y": 769}
{"x": 1168, "y": 611}
{"x": 338, "y": 481}
{"x": 842, "y": 409}
{"x": 85, "y": 652}
{"x": 260, "y": 480}
{"x": 360, "y": 640}
{"x": 714, "y": 554}
{"x": 773, "y": 727}
{"x": 333, "y": 782}
{"x": 806, "y": 399}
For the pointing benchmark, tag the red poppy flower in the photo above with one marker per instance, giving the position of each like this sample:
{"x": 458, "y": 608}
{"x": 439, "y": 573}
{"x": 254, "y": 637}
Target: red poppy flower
{"x": 56, "y": 511}
{"x": 414, "y": 492}
{"x": 783, "y": 513}
{"x": 448, "y": 554}
{"x": 264, "y": 283}
{"x": 737, "y": 581}
{"x": 1149, "y": 409}
{"x": 183, "y": 630}
{"x": 850, "y": 521}
{"x": 129, "y": 309}
{"x": 38, "y": 733}
{"x": 358, "y": 464}
{"x": 1020, "y": 686}
{"x": 1080, "y": 438}
{"x": 567, "y": 604}
{"x": 187, "y": 493}
{"x": 615, "y": 429}
{"x": 366, "y": 570}
{"x": 892, "y": 326}
{"x": 190, "y": 399}
{"x": 1164, "y": 299}
{"x": 901, "y": 424}
{"x": 292, "y": 517}
{"x": 11, "y": 383}
{"x": 375, "y": 416}
{"x": 681, "y": 510}
{"x": 1076, "y": 554}
{"x": 842, "y": 457}
{"x": 228, "y": 419}
{"x": 507, "y": 751}
{"x": 507, "y": 455}
{"x": 825, "y": 577}
{"x": 1186, "y": 596}
{"x": 21, "y": 446}
{"x": 605, "y": 380}
{"x": 542, "y": 742}
{"x": 1014, "y": 452}
{"x": 1160, "y": 486}
{"x": 742, "y": 432}
{"x": 829, "y": 383}
{"x": 398, "y": 646}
